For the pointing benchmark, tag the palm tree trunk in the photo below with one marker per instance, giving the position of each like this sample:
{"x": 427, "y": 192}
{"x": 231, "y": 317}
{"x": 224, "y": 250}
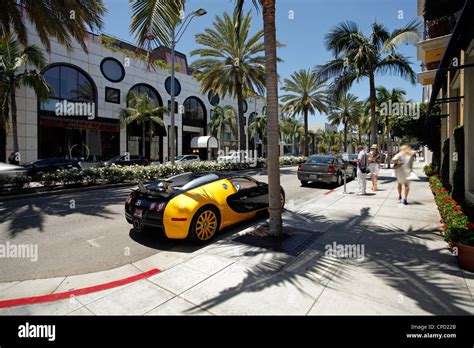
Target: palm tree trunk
{"x": 240, "y": 109}
{"x": 389, "y": 142}
{"x": 272, "y": 117}
{"x": 373, "y": 120}
{"x": 3, "y": 139}
{"x": 143, "y": 139}
{"x": 305, "y": 140}
{"x": 345, "y": 136}
{"x": 14, "y": 117}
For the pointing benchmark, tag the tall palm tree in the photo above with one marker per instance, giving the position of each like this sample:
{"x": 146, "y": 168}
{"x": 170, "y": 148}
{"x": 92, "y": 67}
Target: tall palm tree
{"x": 358, "y": 56}
{"x": 15, "y": 71}
{"x": 58, "y": 19}
{"x": 307, "y": 94}
{"x": 142, "y": 111}
{"x": 292, "y": 128}
{"x": 258, "y": 125}
{"x": 395, "y": 95}
{"x": 344, "y": 109}
{"x": 223, "y": 118}
{"x": 231, "y": 64}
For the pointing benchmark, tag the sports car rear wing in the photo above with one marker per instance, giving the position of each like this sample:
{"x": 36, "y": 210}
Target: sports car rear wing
{"x": 166, "y": 190}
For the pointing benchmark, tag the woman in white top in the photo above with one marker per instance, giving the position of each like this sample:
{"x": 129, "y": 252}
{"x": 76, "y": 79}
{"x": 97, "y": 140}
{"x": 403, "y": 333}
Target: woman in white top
{"x": 374, "y": 165}
{"x": 403, "y": 165}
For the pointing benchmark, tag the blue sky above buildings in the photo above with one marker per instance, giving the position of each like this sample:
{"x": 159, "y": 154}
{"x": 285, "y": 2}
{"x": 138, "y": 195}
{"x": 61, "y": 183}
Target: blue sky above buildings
{"x": 301, "y": 26}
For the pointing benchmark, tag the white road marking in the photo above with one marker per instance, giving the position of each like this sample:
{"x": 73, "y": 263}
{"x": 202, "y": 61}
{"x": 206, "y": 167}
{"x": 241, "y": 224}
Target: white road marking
{"x": 93, "y": 243}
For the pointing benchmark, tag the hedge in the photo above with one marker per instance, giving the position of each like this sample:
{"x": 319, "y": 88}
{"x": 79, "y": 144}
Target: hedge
{"x": 119, "y": 174}
{"x": 458, "y": 175}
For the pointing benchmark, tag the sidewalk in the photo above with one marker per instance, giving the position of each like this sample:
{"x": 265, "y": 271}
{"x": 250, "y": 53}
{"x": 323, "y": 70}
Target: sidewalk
{"x": 406, "y": 267}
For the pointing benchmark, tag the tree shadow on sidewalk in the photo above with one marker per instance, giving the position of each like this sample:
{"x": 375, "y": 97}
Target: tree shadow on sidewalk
{"x": 427, "y": 277}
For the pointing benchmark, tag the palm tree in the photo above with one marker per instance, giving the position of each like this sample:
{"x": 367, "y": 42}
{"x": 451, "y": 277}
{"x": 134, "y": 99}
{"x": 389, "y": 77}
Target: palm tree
{"x": 223, "y": 118}
{"x": 142, "y": 111}
{"x": 231, "y": 64}
{"x": 358, "y": 56}
{"x": 258, "y": 125}
{"x": 58, "y": 19}
{"x": 292, "y": 128}
{"x": 306, "y": 95}
{"x": 14, "y": 73}
{"x": 344, "y": 108}
{"x": 395, "y": 95}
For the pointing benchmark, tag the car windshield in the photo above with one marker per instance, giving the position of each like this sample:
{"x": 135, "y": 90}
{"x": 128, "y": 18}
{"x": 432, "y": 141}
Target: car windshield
{"x": 115, "y": 158}
{"x": 177, "y": 158}
{"x": 320, "y": 160}
{"x": 200, "y": 181}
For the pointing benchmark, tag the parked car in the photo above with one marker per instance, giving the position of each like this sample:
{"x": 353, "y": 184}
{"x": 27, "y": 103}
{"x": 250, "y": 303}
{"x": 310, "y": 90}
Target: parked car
{"x": 51, "y": 165}
{"x": 197, "y": 205}
{"x": 121, "y": 160}
{"x": 9, "y": 170}
{"x": 186, "y": 159}
{"x": 327, "y": 169}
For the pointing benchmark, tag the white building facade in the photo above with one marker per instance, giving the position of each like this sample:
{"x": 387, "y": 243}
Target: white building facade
{"x": 82, "y": 118}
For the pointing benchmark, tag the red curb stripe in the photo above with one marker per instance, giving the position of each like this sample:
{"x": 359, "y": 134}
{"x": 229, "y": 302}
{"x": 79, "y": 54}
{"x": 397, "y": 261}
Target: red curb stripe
{"x": 77, "y": 292}
{"x": 329, "y": 192}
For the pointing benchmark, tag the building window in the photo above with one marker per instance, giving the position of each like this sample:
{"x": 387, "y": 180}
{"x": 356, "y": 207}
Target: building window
{"x": 194, "y": 111}
{"x": 213, "y": 98}
{"x": 68, "y": 83}
{"x": 112, "y": 95}
{"x": 112, "y": 69}
{"x": 177, "y": 86}
{"x": 150, "y": 91}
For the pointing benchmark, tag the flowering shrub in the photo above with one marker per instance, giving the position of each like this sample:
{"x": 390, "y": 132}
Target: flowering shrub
{"x": 292, "y": 160}
{"x": 429, "y": 170}
{"x": 455, "y": 224}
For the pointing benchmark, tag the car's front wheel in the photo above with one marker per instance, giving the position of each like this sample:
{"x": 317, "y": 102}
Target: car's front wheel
{"x": 205, "y": 225}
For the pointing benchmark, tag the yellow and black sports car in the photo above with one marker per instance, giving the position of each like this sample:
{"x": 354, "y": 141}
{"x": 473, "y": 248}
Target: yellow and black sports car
{"x": 197, "y": 206}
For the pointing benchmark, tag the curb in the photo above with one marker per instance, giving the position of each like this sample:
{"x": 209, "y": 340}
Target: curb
{"x": 76, "y": 292}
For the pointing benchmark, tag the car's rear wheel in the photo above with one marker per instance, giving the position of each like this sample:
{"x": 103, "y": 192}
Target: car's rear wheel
{"x": 205, "y": 225}
{"x": 304, "y": 183}
{"x": 339, "y": 180}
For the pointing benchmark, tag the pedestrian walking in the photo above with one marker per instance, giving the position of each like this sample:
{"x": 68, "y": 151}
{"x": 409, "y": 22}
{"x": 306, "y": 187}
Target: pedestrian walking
{"x": 362, "y": 164}
{"x": 403, "y": 166}
{"x": 375, "y": 157}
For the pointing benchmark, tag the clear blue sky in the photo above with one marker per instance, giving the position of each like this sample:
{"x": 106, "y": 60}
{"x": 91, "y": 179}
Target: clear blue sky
{"x": 303, "y": 35}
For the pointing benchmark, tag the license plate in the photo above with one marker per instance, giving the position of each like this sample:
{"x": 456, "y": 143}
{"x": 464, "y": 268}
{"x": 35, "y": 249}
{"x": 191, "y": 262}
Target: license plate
{"x": 314, "y": 176}
{"x": 138, "y": 213}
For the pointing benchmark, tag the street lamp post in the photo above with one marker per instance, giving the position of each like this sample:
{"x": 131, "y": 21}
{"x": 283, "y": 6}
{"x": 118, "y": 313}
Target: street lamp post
{"x": 175, "y": 37}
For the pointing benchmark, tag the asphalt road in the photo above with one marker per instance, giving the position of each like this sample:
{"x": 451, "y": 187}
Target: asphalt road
{"x": 86, "y": 232}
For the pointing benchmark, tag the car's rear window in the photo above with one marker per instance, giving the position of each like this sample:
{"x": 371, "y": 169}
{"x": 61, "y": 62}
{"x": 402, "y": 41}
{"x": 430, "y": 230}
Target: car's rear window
{"x": 320, "y": 160}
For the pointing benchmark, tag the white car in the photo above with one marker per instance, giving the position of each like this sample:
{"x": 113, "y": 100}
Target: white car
{"x": 186, "y": 159}
{"x": 8, "y": 170}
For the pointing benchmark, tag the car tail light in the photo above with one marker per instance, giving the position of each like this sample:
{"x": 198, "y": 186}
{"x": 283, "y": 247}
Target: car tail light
{"x": 299, "y": 167}
{"x": 157, "y": 206}
{"x": 331, "y": 170}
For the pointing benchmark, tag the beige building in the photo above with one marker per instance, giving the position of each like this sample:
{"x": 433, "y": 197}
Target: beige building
{"x": 447, "y": 56}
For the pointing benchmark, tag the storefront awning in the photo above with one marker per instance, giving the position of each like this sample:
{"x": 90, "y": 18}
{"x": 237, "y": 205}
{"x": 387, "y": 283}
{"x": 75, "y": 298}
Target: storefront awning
{"x": 204, "y": 142}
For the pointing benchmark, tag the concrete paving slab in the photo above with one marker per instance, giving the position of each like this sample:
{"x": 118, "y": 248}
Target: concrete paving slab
{"x": 94, "y": 296}
{"x": 163, "y": 260}
{"x": 177, "y": 306}
{"x": 336, "y": 302}
{"x": 178, "y": 279}
{"x": 30, "y": 288}
{"x": 97, "y": 278}
{"x": 136, "y": 299}
{"x": 81, "y": 311}
{"x": 60, "y": 307}
{"x": 230, "y": 292}
{"x": 428, "y": 215}
{"x": 208, "y": 264}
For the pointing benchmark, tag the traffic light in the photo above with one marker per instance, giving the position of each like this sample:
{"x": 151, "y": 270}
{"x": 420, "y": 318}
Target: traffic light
{"x": 380, "y": 129}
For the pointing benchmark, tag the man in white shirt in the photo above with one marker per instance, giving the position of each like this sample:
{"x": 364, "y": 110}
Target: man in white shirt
{"x": 362, "y": 170}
